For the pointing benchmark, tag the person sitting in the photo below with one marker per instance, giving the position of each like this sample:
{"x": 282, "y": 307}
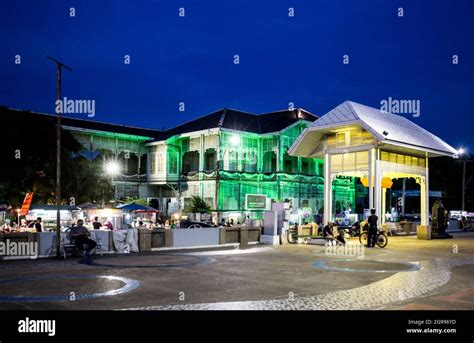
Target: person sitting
{"x": 23, "y": 226}
{"x": 80, "y": 236}
{"x": 328, "y": 234}
{"x": 15, "y": 227}
{"x": 6, "y": 228}
{"x": 141, "y": 226}
{"x": 338, "y": 235}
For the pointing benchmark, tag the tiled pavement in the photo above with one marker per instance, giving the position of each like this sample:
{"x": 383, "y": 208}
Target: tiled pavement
{"x": 262, "y": 278}
{"x": 399, "y": 287}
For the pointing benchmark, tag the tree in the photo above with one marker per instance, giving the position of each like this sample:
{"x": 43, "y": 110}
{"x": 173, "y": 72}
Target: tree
{"x": 198, "y": 205}
{"x": 85, "y": 181}
{"x": 29, "y": 163}
{"x": 138, "y": 201}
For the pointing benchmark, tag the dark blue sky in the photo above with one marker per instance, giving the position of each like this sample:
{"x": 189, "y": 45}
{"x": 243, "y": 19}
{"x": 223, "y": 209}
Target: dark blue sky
{"x": 282, "y": 59}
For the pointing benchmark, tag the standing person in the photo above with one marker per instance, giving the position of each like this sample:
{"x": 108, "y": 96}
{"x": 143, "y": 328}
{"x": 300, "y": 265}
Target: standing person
{"x": 80, "y": 235}
{"x": 108, "y": 225}
{"x": 446, "y": 219}
{"x": 372, "y": 233}
{"x": 39, "y": 225}
{"x": 96, "y": 223}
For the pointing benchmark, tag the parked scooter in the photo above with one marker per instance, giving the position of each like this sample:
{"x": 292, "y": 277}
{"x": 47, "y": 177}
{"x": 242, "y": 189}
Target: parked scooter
{"x": 355, "y": 229}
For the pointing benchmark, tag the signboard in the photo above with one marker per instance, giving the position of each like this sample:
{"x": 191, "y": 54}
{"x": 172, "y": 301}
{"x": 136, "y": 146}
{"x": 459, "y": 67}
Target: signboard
{"x": 48, "y": 215}
{"x": 416, "y": 193}
{"x": 255, "y": 201}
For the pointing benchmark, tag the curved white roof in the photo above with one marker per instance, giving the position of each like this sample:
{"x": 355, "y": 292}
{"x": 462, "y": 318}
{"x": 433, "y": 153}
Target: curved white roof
{"x": 386, "y": 127}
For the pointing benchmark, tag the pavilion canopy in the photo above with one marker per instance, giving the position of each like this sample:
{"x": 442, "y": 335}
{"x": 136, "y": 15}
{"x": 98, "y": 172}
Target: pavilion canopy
{"x": 136, "y": 207}
{"x": 387, "y": 128}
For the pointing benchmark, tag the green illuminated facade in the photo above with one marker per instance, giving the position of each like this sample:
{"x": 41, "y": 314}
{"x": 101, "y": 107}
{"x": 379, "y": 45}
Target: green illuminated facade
{"x": 128, "y": 150}
{"x": 220, "y": 157}
{"x": 227, "y": 164}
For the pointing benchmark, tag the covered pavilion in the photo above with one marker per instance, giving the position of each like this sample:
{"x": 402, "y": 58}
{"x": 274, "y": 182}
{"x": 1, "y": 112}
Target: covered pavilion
{"x": 376, "y": 146}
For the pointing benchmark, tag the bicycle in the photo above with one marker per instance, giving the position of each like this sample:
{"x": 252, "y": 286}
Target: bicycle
{"x": 381, "y": 239}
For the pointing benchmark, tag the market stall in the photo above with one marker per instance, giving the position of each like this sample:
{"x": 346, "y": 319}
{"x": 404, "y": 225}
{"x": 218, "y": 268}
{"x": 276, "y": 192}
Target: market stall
{"x": 48, "y": 213}
{"x": 132, "y": 213}
{"x": 104, "y": 215}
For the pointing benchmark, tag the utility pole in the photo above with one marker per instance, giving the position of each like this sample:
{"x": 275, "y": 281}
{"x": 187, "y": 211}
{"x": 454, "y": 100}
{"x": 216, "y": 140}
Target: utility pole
{"x": 462, "y": 154}
{"x": 59, "y": 67}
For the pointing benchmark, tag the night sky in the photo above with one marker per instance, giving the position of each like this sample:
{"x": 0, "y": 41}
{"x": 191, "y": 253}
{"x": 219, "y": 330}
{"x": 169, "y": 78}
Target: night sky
{"x": 283, "y": 59}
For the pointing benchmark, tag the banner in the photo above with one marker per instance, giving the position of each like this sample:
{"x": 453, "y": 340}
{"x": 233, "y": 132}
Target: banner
{"x": 26, "y": 204}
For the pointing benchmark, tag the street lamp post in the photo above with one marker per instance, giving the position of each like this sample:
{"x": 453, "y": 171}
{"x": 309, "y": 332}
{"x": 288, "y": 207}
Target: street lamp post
{"x": 463, "y": 184}
{"x": 112, "y": 168}
{"x": 59, "y": 67}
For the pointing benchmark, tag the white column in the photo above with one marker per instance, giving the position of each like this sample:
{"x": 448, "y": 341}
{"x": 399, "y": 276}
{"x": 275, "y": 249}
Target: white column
{"x": 201, "y": 166}
{"x": 201, "y": 153}
{"x": 425, "y": 197}
{"x": 371, "y": 177}
{"x": 378, "y": 192}
{"x": 327, "y": 189}
{"x": 422, "y": 201}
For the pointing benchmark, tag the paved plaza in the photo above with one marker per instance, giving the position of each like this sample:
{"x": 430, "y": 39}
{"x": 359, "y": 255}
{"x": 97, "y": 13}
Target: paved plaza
{"x": 407, "y": 274}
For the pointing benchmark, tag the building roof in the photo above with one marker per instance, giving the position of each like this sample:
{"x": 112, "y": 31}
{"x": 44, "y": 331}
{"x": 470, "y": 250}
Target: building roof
{"x": 386, "y": 127}
{"x": 244, "y": 121}
{"x": 19, "y": 115}
{"x": 224, "y": 118}
{"x": 108, "y": 127}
